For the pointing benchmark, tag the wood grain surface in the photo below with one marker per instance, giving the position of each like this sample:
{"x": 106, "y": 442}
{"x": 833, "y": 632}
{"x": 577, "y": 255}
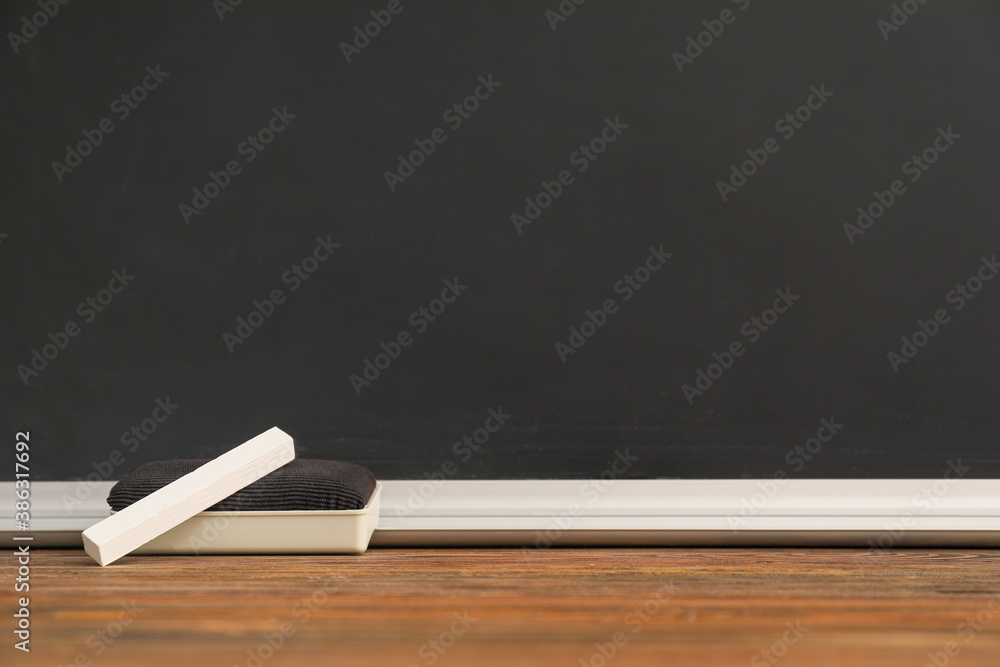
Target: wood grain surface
{"x": 484, "y": 607}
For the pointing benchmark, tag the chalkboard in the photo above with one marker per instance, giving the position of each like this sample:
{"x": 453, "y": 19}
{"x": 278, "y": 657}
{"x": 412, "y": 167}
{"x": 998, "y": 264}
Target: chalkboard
{"x": 477, "y": 240}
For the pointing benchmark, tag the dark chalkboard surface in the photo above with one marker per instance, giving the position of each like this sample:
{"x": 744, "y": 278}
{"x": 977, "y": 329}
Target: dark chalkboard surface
{"x": 504, "y": 240}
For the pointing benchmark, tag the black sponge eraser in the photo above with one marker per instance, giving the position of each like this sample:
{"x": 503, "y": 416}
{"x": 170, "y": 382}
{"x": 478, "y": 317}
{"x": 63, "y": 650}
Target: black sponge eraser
{"x": 299, "y": 485}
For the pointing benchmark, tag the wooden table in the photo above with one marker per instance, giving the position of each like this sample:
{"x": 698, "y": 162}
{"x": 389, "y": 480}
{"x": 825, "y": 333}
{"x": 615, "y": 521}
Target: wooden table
{"x": 484, "y": 607}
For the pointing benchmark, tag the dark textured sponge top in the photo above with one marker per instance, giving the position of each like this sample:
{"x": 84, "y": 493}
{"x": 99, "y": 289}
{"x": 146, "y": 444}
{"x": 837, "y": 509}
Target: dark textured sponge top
{"x": 301, "y": 484}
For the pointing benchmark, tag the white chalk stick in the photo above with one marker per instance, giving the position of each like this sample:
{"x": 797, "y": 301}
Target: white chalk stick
{"x": 186, "y": 496}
